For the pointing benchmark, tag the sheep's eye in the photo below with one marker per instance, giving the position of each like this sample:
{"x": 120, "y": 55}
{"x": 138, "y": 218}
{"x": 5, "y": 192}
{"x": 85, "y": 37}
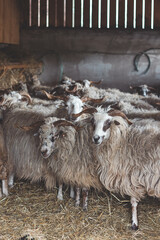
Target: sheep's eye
{"x": 106, "y": 125}
{"x": 62, "y": 134}
{"x": 52, "y": 139}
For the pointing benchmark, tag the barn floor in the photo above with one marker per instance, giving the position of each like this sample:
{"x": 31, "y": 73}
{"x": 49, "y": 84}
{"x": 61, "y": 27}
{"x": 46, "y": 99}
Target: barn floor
{"x": 30, "y": 210}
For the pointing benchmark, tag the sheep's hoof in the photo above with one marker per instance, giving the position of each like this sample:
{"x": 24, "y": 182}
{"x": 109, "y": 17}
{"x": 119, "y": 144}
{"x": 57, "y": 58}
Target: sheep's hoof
{"x": 77, "y": 204}
{"x": 134, "y": 227}
{"x": 85, "y": 209}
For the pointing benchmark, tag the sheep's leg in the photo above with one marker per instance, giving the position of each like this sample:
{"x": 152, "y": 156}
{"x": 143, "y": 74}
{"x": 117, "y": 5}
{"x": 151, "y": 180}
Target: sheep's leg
{"x": 72, "y": 194}
{"x": 5, "y": 187}
{"x": 134, "y": 203}
{"x": 60, "y": 193}
{"x": 11, "y": 180}
{"x": 0, "y": 192}
{"x": 78, "y": 192}
{"x": 85, "y": 198}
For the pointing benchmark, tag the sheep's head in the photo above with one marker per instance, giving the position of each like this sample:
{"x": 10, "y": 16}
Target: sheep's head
{"x": 102, "y": 122}
{"x": 14, "y": 97}
{"x": 49, "y": 132}
{"x": 143, "y": 90}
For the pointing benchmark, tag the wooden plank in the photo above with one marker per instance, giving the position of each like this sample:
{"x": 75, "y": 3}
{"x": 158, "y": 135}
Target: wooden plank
{"x": 103, "y": 13}
{"x": 139, "y": 14}
{"x": 148, "y": 14}
{"x": 130, "y": 14}
{"x": 113, "y": 13}
{"x": 95, "y": 14}
{"x": 1, "y": 21}
{"x": 7, "y": 21}
{"x": 10, "y": 21}
{"x": 156, "y": 14}
{"x": 77, "y": 13}
{"x": 43, "y": 11}
{"x": 24, "y": 13}
{"x": 121, "y": 13}
{"x": 15, "y": 22}
{"x": 86, "y": 13}
{"x": 34, "y": 13}
{"x": 60, "y": 13}
{"x": 52, "y": 13}
{"x": 69, "y": 13}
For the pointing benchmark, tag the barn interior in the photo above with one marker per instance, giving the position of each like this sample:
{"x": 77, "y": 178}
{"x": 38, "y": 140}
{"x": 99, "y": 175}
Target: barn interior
{"x": 116, "y": 41}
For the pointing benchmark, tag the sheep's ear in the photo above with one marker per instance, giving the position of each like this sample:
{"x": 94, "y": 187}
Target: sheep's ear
{"x": 116, "y": 122}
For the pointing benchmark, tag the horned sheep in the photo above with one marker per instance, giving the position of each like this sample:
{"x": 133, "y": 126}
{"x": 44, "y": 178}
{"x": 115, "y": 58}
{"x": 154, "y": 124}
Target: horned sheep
{"x": 128, "y": 156}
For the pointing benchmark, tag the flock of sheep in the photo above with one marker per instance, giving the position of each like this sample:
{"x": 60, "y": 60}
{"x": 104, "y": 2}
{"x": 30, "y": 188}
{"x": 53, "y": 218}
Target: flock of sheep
{"x": 83, "y": 136}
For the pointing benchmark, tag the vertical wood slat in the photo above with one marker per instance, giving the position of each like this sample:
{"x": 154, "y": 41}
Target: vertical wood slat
{"x": 86, "y": 13}
{"x": 103, "y": 13}
{"x": 1, "y": 21}
{"x": 24, "y": 13}
{"x": 43, "y": 11}
{"x": 34, "y": 13}
{"x": 121, "y": 13}
{"x": 156, "y": 14}
{"x": 77, "y": 13}
{"x": 95, "y": 14}
{"x": 130, "y": 14}
{"x": 9, "y": 21}
{"x": 60, "y": 13}
{"x": 52, "y": 13}
{"x": 113, "y": 13}
{"x": 148, "y": 14}
{"x": 15, "y": 22}
{"x": 69, "y": 13}
{"x": 139, "y": 14}
{"x": 7, "y": 24}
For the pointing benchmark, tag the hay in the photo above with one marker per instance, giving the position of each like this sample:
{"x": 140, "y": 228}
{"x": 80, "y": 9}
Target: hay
{"x": 12, "y": 67}
{"x": 31, "y": 211}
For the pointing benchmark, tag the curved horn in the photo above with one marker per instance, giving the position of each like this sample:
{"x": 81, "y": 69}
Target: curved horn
{"x": 87, "y": 99}
{"x": 88, "y": 110}
{"x": 151, "y": 88}
{"x": 51, "y": 97}
{"x": 97, "y": 83}
{"x": 30, "y": 127}
{"x": 27, "y": 96}
{"x": 1, "y": 100}
{"x": 114, "y": 113}
{"x": 65, "y": 123}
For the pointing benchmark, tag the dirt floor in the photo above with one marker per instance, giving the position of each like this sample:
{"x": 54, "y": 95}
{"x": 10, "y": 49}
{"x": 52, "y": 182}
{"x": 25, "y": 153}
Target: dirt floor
{"x": 30, "y": 210}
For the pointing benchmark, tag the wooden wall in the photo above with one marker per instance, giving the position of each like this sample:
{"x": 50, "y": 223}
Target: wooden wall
{"x": 60, "y": 15}
{"x": 9, "y": 21}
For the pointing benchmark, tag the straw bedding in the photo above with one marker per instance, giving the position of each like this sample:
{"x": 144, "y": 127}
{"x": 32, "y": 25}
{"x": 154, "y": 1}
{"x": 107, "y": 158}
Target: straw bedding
{"x": 32, "y": 213}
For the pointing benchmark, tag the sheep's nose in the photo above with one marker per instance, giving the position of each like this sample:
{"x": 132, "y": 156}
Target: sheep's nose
{"x": 96, "y": 138}
{"x": 44, "y": 153}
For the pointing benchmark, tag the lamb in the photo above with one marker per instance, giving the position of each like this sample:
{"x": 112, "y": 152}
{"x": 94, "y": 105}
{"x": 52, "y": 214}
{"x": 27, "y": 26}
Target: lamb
{"x": 128, "y": 156}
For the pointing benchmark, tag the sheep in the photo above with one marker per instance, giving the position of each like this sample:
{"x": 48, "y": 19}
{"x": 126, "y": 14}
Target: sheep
{"x": 3, "y": 164}
{"x": 128, "y": 156}
{"x": 72, "y": 159}
{"x": 24, "y": 157}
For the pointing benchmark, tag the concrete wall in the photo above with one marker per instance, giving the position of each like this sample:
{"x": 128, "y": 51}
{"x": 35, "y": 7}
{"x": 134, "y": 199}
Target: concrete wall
{"x": 95, "y": 55}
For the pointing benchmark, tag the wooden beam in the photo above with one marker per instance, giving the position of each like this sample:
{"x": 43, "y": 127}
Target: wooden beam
{"x": 69, "y": 13}
{"x": 43, "y": 12}
{"x": 34, "y": 13}
{"x": 77, "y": 13}
{"x": 103, "y": 13}
{"x": 86, "y": 13}
{"x": 95, "y": 14}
